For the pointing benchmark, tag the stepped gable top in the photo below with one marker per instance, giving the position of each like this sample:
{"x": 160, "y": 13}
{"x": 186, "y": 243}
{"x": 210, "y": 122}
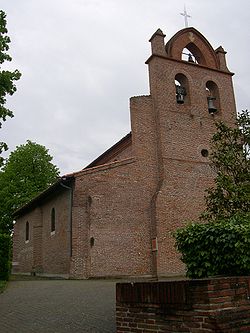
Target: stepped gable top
{"x": 196, "y": 43}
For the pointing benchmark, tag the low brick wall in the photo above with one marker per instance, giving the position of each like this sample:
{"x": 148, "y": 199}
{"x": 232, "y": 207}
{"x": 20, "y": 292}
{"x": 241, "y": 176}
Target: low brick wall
{"x": 209, "y": 305}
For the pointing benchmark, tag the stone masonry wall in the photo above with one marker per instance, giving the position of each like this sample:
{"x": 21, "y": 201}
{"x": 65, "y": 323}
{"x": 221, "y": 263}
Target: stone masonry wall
{"x": 190, "y": 306}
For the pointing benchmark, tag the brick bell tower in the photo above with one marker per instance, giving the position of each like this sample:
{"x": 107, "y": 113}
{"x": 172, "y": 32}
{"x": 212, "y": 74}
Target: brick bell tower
{"x": 191, "y": 89}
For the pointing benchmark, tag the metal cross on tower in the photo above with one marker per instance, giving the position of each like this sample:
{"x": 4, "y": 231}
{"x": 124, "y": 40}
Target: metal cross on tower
{"x": 185, "y": 14}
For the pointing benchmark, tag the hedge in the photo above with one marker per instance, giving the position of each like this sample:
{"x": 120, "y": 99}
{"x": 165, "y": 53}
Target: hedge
{"x": 215, "y": 248}
{"x": 5, "y": 241}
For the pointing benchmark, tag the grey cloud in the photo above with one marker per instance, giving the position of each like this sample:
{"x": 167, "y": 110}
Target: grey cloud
{"x": 82, "y": 60}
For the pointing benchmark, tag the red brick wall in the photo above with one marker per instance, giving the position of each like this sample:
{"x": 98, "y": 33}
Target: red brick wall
{"x": 206, "y": 54}
{"x": 183, "y": 130}
{"x": 56, "y": 247}
{"x": 120, "y": 208}
{"x": 112, "y": 208}
{"x": 126, "y": 153}
{"x": 113, "y": 204}
{"x": 43, "y": 252}
{"x": 135, "y": 202}
{"x": 122, "y": 151}
{"x": 23, "y": 250}
{"x": 191, "y": 306}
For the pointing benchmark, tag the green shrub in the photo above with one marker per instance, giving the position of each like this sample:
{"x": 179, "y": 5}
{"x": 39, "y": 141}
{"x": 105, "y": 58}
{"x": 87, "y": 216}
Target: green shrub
{"x": 2, "y": 286}
{"x": 5, "y": 241}
{"x": 216, "y": 248}
{"x": 222, "y": 245}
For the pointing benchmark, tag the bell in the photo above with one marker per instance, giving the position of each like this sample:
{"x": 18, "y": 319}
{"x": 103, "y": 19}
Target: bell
{"x": 180, "y": 98}
{"x": 180, "y": 94}
{"x": 211, "y": 108}
{"x": 190, "y": 58}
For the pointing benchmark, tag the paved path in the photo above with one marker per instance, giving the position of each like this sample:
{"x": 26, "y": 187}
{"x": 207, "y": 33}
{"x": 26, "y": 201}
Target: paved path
{"x": 58, "y": 306}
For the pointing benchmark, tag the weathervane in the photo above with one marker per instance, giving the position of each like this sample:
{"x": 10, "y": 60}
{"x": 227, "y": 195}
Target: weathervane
{"x": 185, "y": 14}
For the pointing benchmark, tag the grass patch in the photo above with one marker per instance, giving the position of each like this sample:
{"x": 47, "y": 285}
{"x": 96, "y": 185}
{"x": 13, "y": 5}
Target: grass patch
{"x": 2, "y": 285}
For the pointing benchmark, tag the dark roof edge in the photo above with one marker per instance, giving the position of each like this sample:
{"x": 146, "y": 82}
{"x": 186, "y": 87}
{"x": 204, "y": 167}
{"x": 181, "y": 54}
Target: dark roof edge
{"x": 116, "y": 145}
{"x": 67, "y": 179}
{"x": 35, "y": 201}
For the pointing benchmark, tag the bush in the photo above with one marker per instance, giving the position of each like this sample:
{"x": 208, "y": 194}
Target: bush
{"x": 229, "y": 154}
{"x": 2, "y": 286}
{"x": 222, "y": 245}
{"x": 216, "y": 248}
{"x": 5, "y": 241}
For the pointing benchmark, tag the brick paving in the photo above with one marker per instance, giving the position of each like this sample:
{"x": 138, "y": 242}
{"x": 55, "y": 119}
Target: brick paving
{"x": 58, "y": 306}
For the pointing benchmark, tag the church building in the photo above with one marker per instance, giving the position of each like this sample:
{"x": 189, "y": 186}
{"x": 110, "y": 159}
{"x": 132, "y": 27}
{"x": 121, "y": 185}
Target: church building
{"x": 116, "y": 217}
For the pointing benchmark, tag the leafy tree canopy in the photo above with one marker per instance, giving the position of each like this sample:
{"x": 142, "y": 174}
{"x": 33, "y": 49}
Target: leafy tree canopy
{"x": 7, "y": 78}
{"x": 221, "y": 246}
{"x": 27, "y": 172}
{"x": 230, "y": 159}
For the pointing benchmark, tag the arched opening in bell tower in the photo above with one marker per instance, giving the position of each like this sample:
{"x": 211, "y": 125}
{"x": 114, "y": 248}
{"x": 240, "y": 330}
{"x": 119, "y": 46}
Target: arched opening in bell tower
{"x": 182, "y": 89}
{"x": 192, "y": 53}
{"x": 213, "y": 98}
{"x": 186, "y": 55}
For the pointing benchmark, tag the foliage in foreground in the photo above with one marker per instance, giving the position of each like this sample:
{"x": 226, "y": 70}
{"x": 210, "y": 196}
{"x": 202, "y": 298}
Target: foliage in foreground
{"x": 5, "y": 244}
{"x": 2, "y": 285}
{"x": 221, "y": 245}
{"x": 28, "y": 172}
{"x": 7, "y": 78}
{"x": 230, "y": 157}
{"x": 221, "y": 248}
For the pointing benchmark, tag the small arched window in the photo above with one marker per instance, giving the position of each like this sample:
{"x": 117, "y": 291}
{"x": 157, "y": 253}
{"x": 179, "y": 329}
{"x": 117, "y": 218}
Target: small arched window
{"x": 182, "y": 89}
{"x": 213, "y": 98}
{"x": 53, "y": 220}
{"x": 27, "y": 231}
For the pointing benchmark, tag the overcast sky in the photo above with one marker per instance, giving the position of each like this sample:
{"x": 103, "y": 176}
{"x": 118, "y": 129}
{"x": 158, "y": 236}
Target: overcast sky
{"x": 81, "y": 61}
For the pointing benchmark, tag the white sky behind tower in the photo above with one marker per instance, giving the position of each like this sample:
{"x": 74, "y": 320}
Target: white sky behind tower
{"x": 81, "y": 61}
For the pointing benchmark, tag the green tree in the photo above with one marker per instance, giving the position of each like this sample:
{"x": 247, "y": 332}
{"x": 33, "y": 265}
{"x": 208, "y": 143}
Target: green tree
{"x": 221, "y": 246}
{"x": 230, "y": 159}
{"x": 27, "y": 172}
{"x": 7, "y": 78}
{"x": 5, "y": 249}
